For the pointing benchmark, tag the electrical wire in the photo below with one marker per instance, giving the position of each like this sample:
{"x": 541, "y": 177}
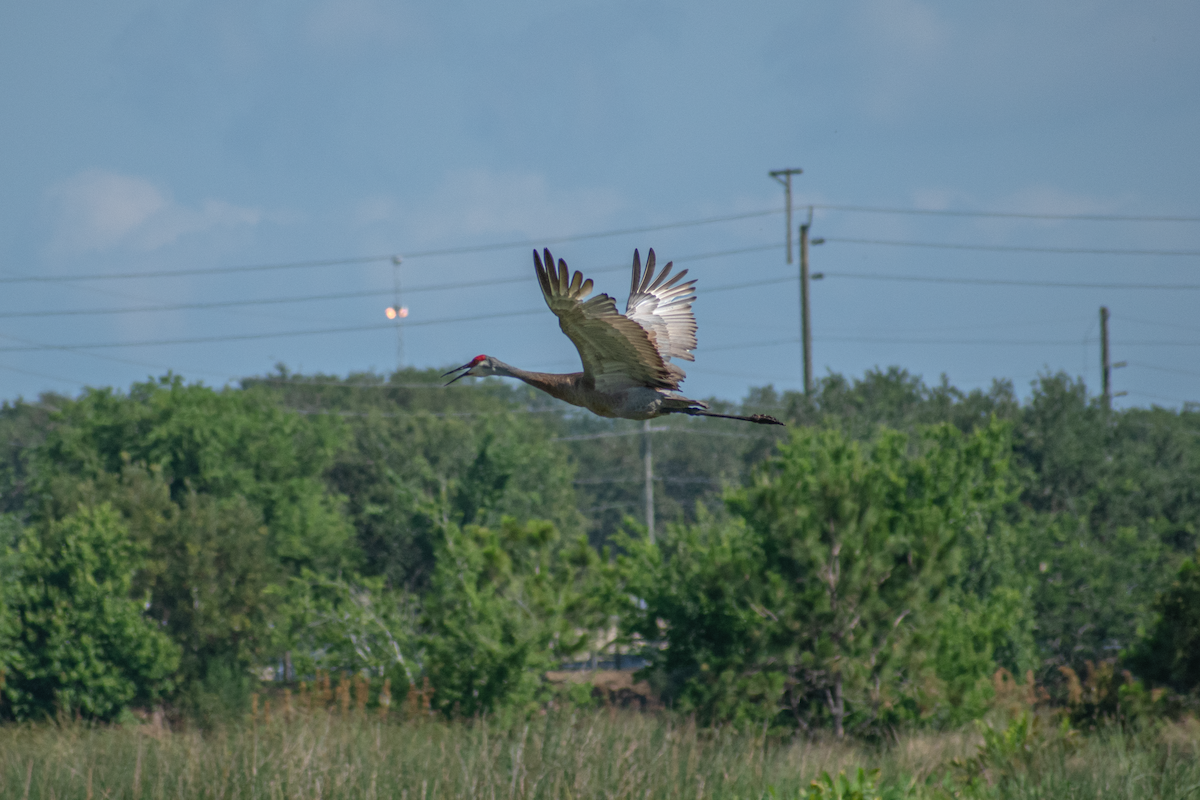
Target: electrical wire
{"x": 1002, "y": 248}
{"x": 11, "y": 368}
{"x": 1163, "y": 369}
{"x": 32, "y": 346}
{"x": 701, "y": 291}
{"x": 1160, "y": 397}
{"x": 370, "y": 259}
{"x": 1006, "y": 214}
{"x": 363, "y": 293}
{"x": 875, "y": 276}
{"x": 986, "y": 342}
{"x": 275, "y": 335}
{"x": 356, "y": 260}
{"x": 1150, "y": 322}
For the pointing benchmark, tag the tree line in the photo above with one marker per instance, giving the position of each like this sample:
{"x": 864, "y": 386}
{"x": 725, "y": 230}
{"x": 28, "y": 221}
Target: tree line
{"x": 877, "y": 564}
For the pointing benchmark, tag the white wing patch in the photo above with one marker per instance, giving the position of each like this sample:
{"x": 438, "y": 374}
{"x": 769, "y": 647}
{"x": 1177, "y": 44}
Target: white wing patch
{"x": 663, "y": 306}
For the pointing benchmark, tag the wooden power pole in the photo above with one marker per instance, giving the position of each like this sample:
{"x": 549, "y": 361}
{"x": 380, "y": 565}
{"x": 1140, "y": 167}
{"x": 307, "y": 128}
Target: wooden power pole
{"x": 649, "y": 470}
{"x": 805, "y": 318}
{"x": 784, "y": 176}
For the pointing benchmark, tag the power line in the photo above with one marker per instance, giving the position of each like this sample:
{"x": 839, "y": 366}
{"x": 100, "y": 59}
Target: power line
{"x": 462, "y": 250}
{"x": 874, "y": 276}
{"x": 80, "y": 350}
{"x": 1163, "y": 369}
{"x": 1160, "y": 397}
{"x": 1001, "y": 248}
{"x": 358, "y": 294}
{"x": 333, "y": 262}
{"x": 1160, "y": 324}
{"x": 276, "y": 335}
{"x": 41, "y": 375}
{"x": 531, "y": 312}
{"x": 1007, "y": 214}
{"x": 998, "y": 342}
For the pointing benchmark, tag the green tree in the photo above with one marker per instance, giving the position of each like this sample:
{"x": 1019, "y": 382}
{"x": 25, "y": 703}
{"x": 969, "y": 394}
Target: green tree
{"x": 844, "y": 556}
{"x": 219, "y": 443}
{"x": 225, "y": 494}
{"x": 504, "y": 606}
{"x": 704, "y": 590}
{"x": 83, "y": 644}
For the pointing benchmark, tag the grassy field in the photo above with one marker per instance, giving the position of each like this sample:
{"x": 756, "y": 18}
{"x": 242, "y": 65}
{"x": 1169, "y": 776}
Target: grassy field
{"x": 568, "y": 755}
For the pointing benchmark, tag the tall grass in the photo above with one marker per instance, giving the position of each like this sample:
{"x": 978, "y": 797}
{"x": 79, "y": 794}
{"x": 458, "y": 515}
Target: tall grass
{"x": 564, "y": 755}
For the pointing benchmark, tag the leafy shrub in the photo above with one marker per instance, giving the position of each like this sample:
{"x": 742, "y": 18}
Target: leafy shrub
{"x": 83, "y": 644}
{"x": 503, "y": 607}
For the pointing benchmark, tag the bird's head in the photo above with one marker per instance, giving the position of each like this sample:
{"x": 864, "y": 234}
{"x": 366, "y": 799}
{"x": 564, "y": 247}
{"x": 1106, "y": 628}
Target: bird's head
{"x": 477, "y": 367}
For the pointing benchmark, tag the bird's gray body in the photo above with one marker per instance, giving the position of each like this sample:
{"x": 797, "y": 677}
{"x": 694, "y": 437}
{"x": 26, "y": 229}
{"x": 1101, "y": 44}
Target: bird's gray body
{"x": 627, "y": 369}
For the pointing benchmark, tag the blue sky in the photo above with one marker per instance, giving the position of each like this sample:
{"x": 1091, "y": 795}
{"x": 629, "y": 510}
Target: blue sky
{"x": 172, "y": 136}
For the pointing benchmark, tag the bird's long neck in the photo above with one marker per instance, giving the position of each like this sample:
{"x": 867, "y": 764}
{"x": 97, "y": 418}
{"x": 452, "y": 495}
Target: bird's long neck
{"x": 563, "y": 387}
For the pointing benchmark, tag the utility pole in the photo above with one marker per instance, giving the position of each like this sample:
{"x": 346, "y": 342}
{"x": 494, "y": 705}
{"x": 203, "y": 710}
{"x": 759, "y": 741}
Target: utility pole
{"x": 398, "y": 312}
{"x": 805, "y": 319}
{"x": 784, "y": 176}
{"x": 1105, "y": 364}
{"x": 648, "y": 461}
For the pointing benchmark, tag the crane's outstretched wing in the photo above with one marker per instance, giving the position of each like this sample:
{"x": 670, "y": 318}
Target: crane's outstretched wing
{"x": 663, "y": 307}
{"x": 616, "y": 351}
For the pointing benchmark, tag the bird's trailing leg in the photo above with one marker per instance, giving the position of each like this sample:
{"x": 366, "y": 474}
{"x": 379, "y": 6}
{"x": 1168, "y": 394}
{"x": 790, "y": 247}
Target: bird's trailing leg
{"x": 761, "y": 419}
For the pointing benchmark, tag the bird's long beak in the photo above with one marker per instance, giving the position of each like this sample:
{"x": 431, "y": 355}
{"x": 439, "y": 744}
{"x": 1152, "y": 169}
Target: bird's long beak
{"x": 462, "y": 372}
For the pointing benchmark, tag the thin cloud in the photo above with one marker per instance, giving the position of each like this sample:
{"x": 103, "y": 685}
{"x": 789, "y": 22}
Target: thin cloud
{"x": 98, "y": 210}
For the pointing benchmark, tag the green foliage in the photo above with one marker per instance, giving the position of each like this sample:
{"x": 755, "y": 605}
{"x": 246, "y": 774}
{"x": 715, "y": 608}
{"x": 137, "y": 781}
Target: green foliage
{"x": 702, "y": 590}
{"x": 222, "y": 444}
{"x": 1115, "y": 512}
{"x": 503, "y": 607}
{"x": 82, "y": 643}
{"x": 971, "y": 638}
{"x": 305, "y": 520}
{"x": 1091, "y": 588}
{"x": 222, "y": 491}
{"x": 417, "y": 457}
{"x": 863, "y": 786}
{"x": 23, "y": 427}
{"x": 338, "y": 626}
{"x": 1169, "y": 654}
{"x": 210, "y": 571}
{"x": 1011, "y": 754}
{"x": 10, "y": 534}
{"x": 841, "y": 561}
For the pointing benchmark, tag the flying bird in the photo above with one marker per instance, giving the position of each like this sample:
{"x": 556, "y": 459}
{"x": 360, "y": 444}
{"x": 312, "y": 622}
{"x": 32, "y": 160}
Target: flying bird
{"x": 627, "y": 369}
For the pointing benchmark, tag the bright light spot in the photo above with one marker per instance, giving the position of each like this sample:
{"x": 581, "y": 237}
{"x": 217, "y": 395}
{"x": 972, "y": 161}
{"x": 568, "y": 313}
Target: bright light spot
{"x": 403, "y": 313}
{"x": 391, "y": 313}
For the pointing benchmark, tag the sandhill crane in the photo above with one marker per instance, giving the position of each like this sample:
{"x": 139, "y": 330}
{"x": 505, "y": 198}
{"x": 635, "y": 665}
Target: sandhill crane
{"x": 626, "y": 357}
